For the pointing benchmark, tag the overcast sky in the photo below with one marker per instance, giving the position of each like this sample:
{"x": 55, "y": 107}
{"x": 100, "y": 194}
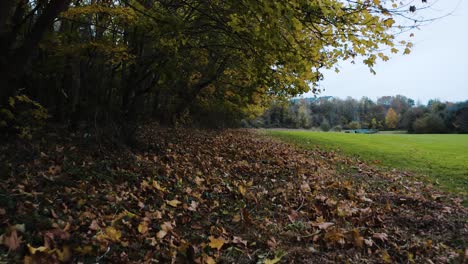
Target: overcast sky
{"x": 437, "y": 67}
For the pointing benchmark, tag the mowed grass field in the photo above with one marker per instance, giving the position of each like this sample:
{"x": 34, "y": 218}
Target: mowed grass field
{"x": 443, "y": 158}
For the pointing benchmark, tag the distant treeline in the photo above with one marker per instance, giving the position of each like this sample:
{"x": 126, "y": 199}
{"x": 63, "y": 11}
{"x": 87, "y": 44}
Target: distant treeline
{"x": 387, "y": 113}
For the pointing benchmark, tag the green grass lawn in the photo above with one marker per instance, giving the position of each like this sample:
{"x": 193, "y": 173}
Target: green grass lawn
{"x": 444, "y": 158}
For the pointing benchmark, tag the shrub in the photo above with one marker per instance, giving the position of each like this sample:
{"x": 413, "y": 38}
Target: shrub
{"x": 429, "y": 124}
{"x": 325, "y": 126}
{"x": 354, "y": 125}
{"x": 337, "y": 128}
{"x": 22, "y": 116}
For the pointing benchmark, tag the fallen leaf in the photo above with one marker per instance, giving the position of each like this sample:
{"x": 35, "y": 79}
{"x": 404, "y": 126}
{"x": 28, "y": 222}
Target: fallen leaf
{"x": 239, "y": 240}
{"x": 273, "y": 261}
{"x": 173, "y": 203}
{"x": 34, "y": 250}
{"x": 143, "y": 227}
{"x": 216, "y": 243}
{"x": 12, "y": 241}
{"x": 209, "y": 260}
{"x": 242, "y": 189}
{"x": 193, "y": 206}
{"x": 94, "y": 225}
{"x": 113, "y": 234}
{"x": 381, "y": 236}
{"x": 64, "y": 254}
{"x": 161, "y": 234}
{"x": 305, "y": 187}
{"x": 158, "y": 187}
{"x": 323, "y": 225}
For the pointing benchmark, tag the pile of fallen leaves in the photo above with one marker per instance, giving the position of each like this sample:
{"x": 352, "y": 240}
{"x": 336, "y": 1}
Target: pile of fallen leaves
{"x": 232, "y": 196}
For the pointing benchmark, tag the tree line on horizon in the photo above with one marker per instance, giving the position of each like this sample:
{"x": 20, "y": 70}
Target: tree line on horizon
{"x": 386, "y": 113}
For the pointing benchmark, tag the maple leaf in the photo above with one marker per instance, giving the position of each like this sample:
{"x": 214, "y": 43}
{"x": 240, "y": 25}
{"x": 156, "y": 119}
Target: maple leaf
{"x": 216, "y": 243}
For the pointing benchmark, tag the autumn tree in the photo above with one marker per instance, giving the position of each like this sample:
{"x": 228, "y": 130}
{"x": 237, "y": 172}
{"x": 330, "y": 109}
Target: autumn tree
{"x": 391, "y": 119}
{"x": 178, "y": 61}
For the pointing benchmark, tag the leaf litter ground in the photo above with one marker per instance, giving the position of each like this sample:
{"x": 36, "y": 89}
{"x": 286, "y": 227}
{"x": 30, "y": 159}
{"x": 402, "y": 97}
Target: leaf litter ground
{"x": 231, "y": 196}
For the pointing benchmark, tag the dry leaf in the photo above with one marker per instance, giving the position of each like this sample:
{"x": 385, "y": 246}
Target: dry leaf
{"x": 273, "y": 261}
{"x": 239, "y": 240}
{"x": 158, "y": 187}
{"x": 193, "y": 206}
{"x": 216, "y": 243}
{"x": 161, "y": 234}
{"x": 94, "y": 225}
{"x": 12, "y": 241}
{"x": 173, "y": 203}
{"x": 143, "y": 227}
{"x": 323, "y": 225}
{"x": 34, "y": 250}
{"x": 242, "y": 189}
{"x": 381, "y": 236}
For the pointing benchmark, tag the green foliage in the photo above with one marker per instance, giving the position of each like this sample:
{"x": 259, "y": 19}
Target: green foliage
{"x": 429, "y": 124}
{"x": 23, "y": 116}
{"x": 337, "y": 129}
{"x": 325, "y": 125}
{"x": 354, "y": 125}
{"x": 108, "y": 60}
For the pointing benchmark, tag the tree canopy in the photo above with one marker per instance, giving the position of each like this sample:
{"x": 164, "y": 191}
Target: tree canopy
{"x": 180, "y": 60}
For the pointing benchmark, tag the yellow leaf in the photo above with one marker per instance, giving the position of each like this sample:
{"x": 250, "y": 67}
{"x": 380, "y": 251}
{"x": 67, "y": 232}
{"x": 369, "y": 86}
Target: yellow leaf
{"x": 65, "y": 254}
{"x": 86, "y": 250}
{"x": 216, "y": 243}
{"x": 386, "y": 257}
{"x": 209, "y": 260}
{"x": 34, "y": 250}
{"x": 273, "y": 261}
{"x": 143, "y": 227}
{"x": 113, "y": 234}
{"x": 157, "y": 186}
{"x": 173, "y": 203}
{"x": 242, "y": 189}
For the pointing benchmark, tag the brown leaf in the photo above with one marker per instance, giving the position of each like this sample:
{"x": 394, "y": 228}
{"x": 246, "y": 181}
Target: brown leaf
{"x": 12, "y": 241}
{"x": 381, "y": 236}
{"x": 239, "y": 240}
{"x": 94, "y": 225}
{"x": 323, "y": 225}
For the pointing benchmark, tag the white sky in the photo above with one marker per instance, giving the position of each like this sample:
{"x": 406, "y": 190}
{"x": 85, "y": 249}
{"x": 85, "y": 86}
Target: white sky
{"x": 437, "y": 67}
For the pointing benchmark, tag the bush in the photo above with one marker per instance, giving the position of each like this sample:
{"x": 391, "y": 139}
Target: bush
{"x": 354, "y": 125}
{"x": 337, "y": 128}
{"x": 22, "y": 117}
{"x": 325, "y": 126}
{"x": 429, "y": 124}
